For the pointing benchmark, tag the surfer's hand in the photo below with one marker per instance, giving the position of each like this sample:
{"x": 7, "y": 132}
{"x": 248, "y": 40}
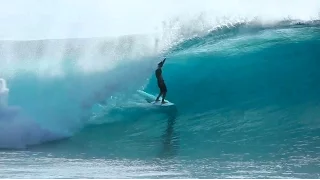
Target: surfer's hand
{"x": 164, "y": 60}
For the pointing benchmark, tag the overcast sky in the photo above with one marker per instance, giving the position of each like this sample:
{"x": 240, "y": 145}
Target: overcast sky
{"x": 38, "y": 19}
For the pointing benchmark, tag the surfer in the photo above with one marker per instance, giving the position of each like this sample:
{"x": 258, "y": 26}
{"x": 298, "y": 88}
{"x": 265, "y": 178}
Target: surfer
{"x": 162, "y": 86}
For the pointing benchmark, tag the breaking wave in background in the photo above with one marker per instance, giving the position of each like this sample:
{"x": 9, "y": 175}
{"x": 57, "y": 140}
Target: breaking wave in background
{"x": 245, "y": 88}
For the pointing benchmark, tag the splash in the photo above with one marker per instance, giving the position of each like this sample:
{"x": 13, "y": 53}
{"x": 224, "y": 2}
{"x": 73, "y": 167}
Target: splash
{"x": 16, "y": 129}
{"x": 4, "y": 92}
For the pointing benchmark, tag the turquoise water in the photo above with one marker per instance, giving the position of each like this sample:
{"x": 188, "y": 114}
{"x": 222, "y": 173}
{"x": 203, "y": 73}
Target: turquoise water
{"x": 247, "y": 106}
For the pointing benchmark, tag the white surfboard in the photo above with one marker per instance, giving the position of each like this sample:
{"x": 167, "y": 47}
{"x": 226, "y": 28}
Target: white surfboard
{"x": 151, "y": 99}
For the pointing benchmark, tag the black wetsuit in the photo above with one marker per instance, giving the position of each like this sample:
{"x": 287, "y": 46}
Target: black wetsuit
{"x": 161, "y": 84}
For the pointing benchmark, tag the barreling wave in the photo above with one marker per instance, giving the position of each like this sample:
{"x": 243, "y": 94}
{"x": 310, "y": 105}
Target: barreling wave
{"x": 235, "y": 82}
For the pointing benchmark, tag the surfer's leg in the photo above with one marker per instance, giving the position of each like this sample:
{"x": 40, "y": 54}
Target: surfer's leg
{"x": 164, "y": 92}
{"x": 163, "y": 97}
{"x": 159, "y": 96}
{"x": 159, "y": 85}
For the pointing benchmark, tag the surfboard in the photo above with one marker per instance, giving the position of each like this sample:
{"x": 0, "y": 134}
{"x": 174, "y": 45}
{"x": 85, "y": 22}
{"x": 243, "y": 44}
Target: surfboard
{"x": 151, "y": 99}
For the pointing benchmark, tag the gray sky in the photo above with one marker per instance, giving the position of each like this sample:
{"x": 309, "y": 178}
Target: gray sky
{"x": 38, "y": 19}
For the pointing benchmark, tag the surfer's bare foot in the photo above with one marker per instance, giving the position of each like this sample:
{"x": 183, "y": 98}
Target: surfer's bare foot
{"x": 163, "y": 102}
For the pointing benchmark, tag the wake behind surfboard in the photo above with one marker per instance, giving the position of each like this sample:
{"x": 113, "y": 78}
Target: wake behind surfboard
{"x": 151, "y": 99}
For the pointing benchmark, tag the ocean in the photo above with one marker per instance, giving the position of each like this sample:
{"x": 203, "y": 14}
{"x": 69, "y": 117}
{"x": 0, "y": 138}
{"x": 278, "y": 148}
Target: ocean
{"x": 246, "y": 97}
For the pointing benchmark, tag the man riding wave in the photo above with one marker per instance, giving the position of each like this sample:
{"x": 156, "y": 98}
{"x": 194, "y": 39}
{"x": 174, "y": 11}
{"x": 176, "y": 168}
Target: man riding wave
{"x": 162, "y": 86}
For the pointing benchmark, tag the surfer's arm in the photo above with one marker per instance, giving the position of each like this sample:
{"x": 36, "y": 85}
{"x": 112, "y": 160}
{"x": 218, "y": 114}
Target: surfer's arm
{"x": 163, "y": 61}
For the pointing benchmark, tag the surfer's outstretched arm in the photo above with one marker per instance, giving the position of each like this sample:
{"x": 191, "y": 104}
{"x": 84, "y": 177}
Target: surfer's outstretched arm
{"x": 163, "y": 61}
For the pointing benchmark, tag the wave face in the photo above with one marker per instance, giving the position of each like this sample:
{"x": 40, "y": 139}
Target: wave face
{"x": 247, "y": 99}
